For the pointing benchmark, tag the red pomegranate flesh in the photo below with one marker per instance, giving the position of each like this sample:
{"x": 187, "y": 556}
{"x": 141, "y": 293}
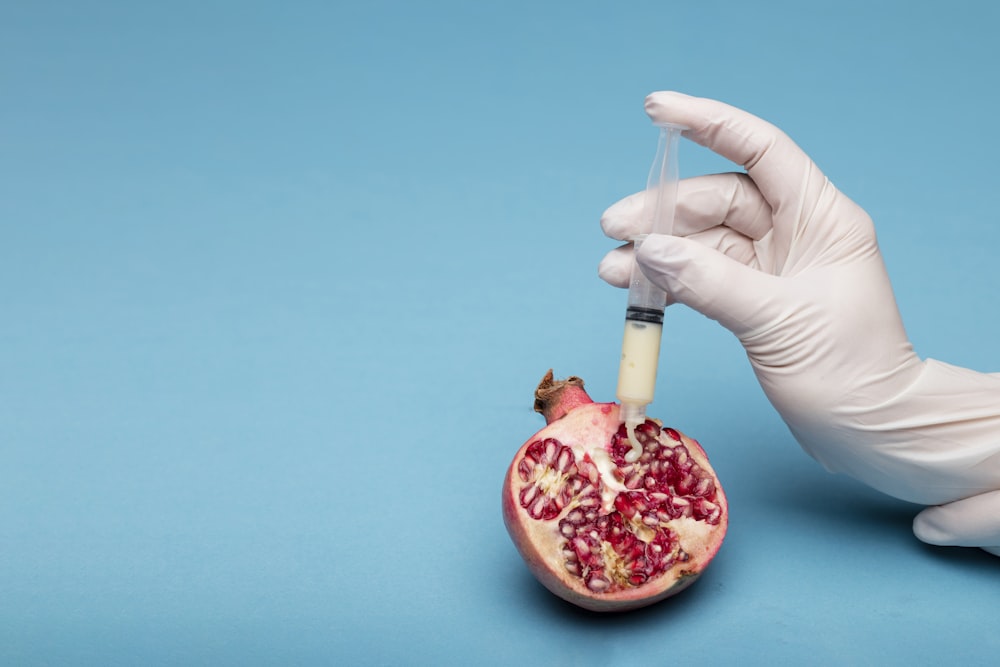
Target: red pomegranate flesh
{"x": 598, "y": 531}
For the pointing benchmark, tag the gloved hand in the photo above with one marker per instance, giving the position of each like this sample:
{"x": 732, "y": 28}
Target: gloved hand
{"x": 785, "y": 261}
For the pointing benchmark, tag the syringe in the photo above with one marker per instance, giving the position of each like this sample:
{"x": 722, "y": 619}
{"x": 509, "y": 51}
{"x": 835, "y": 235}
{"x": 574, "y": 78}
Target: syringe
{"x": 646, "y": 301}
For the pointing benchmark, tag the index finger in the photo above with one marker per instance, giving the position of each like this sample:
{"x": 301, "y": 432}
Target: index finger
{"x": 787, "y": 178}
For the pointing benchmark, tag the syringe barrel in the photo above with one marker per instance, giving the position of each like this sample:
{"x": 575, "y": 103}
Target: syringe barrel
{"x": 646, "y": 301}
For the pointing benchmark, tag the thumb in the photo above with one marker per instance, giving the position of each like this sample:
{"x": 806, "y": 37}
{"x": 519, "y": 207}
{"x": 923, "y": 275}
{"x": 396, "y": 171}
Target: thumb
{"x": 970, "y": 522}
{"x": 738, "y": 297}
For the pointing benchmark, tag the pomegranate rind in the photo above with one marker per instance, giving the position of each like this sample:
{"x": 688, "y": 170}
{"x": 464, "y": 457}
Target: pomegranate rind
{"x": 588, "y": 429}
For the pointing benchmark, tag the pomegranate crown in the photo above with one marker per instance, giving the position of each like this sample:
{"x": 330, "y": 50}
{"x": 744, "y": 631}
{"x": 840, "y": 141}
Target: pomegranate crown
{"x": 555, "y": 398}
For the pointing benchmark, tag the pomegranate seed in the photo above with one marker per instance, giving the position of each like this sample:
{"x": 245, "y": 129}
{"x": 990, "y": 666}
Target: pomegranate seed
{"x": 565, "y": 460}
{"x": 598, "y": 584}
{"x": 680, "y": 456}
{"x": 528, "y": 494}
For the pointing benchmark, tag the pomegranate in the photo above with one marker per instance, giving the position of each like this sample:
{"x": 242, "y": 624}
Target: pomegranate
{"x": 598, "y": 531}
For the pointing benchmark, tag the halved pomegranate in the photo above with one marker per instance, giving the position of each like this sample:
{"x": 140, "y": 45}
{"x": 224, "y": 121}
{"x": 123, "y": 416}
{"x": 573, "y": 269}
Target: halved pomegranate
{"x": 598, "y": 531}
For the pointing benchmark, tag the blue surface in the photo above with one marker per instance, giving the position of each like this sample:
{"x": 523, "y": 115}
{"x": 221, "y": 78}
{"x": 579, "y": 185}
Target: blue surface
{"x": 278, "y": 281}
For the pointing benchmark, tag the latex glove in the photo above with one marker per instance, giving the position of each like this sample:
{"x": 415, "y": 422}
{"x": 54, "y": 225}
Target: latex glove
{"x": 785, "y": 261}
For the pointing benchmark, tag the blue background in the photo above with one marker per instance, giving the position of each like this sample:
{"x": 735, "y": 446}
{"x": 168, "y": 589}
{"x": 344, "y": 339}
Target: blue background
{"x": 278, "y": 280}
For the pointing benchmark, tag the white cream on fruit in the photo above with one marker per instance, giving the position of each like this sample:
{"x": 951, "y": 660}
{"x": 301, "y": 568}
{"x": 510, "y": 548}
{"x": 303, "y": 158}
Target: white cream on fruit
{"x": 637, "y": 377}
{"x": 611, "y": 486}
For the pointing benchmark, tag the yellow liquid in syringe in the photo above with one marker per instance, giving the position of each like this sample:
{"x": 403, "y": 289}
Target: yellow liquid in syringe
{"x": 640, "y": 356}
